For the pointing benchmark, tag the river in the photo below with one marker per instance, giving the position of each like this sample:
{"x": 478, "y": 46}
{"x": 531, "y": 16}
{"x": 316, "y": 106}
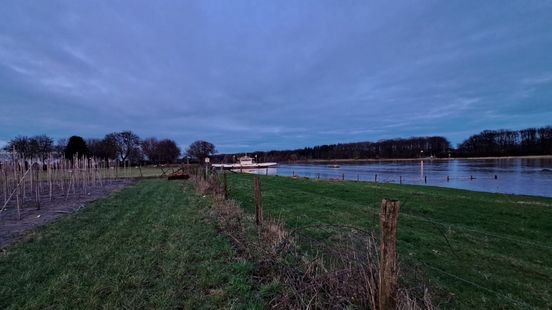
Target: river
{"x": 525, "y": 176}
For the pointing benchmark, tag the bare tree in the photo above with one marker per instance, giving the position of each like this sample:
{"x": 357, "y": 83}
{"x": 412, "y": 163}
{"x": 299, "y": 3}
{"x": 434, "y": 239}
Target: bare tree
{"x": 200, "y": 150}
{"x": 42, "y": 146}
{"x": 168, "y": 151}
{"x": 104, "y": 149}
{"x": 136, "y": 155}
{"x": 164, "y": 151}
{"x": 76, "y": 146}
{"x": 59, "y": 148}
{"x": 127, "y": 144}
{"x": 21, "y": 144}
{"x": 149, "y": 147}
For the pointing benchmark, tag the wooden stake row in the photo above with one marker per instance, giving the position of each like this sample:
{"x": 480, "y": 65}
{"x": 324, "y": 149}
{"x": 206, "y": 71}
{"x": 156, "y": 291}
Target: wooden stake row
{"x": 26, "y": 182}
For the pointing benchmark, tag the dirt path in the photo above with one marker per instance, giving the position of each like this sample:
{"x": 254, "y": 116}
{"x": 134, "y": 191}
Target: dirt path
{"x": 12, "y": 229}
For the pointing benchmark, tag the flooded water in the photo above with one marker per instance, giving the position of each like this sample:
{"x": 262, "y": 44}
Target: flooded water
{"x": 511, "y": 176}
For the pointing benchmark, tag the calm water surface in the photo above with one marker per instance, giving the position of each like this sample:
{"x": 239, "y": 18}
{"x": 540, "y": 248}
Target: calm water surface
{"x": 513, "y": 176}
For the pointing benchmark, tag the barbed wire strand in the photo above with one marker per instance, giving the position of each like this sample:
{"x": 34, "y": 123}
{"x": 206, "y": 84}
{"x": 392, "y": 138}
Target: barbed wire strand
{"x": 519, "y": 302}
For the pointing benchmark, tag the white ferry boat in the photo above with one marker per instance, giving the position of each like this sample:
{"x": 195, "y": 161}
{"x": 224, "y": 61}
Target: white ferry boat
{"x": 245, "y": 162}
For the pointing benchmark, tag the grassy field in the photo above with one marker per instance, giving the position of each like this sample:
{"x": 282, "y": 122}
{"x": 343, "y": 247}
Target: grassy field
{"x": 149, "y": 246}
{"x": 484, "y": 250}
{"x": 135, "y": 172}
{"x": 153, "y": 246}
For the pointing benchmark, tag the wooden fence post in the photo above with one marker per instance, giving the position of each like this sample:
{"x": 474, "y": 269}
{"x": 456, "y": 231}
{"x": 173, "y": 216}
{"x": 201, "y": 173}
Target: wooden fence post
{"x": 258, "y": 201}
{"x": 225, "y": 186}
{"x": 388, "y": 277}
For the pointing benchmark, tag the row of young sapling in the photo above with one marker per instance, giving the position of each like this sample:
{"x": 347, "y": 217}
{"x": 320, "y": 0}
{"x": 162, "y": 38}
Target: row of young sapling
{"x": 28, "y": 182}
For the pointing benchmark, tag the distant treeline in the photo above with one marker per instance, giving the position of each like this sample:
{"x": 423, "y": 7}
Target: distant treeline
{"x": 394, "y": 148}
{"x": 124, "y": 146}
{"x": 531, "y": 141}
{"x": 128, "y": 147}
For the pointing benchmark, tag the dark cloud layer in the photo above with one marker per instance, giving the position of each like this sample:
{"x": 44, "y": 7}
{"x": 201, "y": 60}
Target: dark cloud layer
{"x": 254, "y": 75}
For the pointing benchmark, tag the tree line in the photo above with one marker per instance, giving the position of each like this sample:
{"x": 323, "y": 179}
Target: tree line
{"x": 124, "y": 146}
{"x": 530, "y": 141}
{"x": 391, "y": 148}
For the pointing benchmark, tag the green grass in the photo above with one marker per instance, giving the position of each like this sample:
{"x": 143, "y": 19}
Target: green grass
{"x": 134, "y": 172}
{"x": 502, "y": 244}
{"x": 149, "y": 246}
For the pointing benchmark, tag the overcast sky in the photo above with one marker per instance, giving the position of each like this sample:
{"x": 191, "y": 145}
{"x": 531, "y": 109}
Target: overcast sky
{"x": 260, "y": 75}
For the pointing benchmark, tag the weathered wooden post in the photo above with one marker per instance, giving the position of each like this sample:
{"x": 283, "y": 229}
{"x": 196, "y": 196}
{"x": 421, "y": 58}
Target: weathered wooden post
{"x": 258, "y": 201}
{"x": 376, "y": 178}
{"x": 425, "y": 179}
{"x": 496, "y": 177}
{"x": 5, "y": 182}
{"x": 388, "y": 276}
{"x": 225, "y": 186}
{"x": 37, "y": 189}
{"x": 448, "y": 178}
{"x": 207, "y": 164}
{"x": 343, "y": 177}
{"x": 318, "y": 176}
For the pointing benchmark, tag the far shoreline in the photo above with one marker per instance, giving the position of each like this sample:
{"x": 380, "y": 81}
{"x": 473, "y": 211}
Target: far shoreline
{"x": 367, "y": 160}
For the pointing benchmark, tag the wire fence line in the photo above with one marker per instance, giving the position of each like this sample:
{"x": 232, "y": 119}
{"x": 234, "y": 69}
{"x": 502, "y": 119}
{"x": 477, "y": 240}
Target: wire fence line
{"x": 477, "y": 285}
{"x": 473, "y": 283}
{"x": 416, "y": 261}
{"x": 499, "y": 236}
{"x": 374, "y": 211}
{"x": 491, "y": 180}
{"x": 471, "y": 230}
{"x": 321, "y": 225}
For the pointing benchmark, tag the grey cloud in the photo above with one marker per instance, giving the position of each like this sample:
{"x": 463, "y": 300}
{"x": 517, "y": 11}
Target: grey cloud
{"x": 254, "y": 75}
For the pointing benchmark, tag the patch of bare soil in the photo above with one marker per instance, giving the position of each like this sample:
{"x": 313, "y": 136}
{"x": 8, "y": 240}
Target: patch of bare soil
{"x": 12, "y": 229}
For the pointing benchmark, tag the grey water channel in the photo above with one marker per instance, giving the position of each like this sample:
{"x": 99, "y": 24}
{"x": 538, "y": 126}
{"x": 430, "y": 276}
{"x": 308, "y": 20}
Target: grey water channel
{"x": 524, "y": 176}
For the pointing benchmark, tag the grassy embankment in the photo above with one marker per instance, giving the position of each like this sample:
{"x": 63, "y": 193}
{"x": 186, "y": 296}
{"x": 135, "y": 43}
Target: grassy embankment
{"x": 149, "y": 246}
{"x": 153, "y": 246}
{"x": 500, "y": 244}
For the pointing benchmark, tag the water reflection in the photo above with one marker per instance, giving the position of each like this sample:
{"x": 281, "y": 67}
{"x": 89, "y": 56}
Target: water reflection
{"x": 515, "y": 176}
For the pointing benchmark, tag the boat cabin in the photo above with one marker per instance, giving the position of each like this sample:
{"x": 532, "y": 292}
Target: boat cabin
{"x": 246, "y": 160}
